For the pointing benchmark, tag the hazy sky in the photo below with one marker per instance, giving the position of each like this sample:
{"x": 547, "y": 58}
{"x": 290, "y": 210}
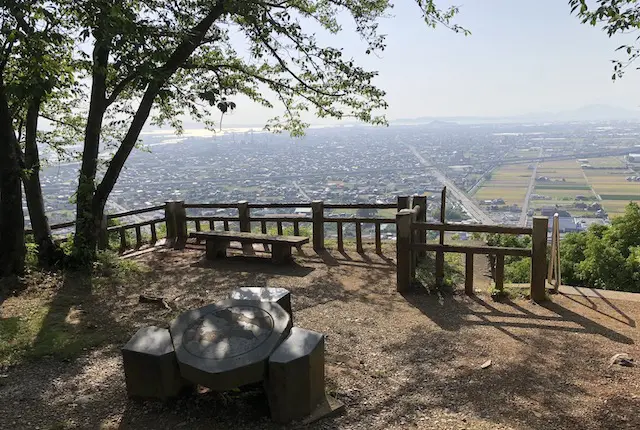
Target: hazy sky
{"x": 522, "y": 57}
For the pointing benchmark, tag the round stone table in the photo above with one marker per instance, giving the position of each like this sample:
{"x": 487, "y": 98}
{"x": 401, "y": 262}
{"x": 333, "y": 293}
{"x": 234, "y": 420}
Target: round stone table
{"x": 225, "y": 345}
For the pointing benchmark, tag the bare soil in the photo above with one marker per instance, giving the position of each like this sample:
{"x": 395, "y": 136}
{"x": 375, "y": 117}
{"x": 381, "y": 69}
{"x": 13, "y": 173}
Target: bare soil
{"x": 396, "y": 361}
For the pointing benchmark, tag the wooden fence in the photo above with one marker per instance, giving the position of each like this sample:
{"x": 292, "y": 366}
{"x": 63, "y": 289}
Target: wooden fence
{"x": 411, "y": 244}
{"x": 178, "y": 222}
{"x": 410, "y": 221}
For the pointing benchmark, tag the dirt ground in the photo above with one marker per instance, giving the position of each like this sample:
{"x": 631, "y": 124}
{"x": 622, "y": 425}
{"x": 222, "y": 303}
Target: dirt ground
{"x": 396, "y": 361}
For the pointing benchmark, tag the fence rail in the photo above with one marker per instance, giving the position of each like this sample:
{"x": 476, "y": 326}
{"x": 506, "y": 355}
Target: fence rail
{"x": 411, "y": 245}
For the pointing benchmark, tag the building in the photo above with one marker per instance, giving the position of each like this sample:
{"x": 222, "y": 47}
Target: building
{"x": 633, "y": 158}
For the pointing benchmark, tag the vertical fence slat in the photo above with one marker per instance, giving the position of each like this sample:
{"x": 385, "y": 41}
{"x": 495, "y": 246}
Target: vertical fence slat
{"x": 212, "y": 225}
{"x": 138, "y": 237}
{"x": 154, "y": 234}
{"x": 296, "y": 228}
{"x": 123, "y": 239}
{"x": 378, "y": 238}
{"x": 198, "y": 229}
{"x": 226, "y": 225}
{"x": 468, "y": 274}
{"x": 359, "y": 246}
{"x": 340, "y": 238}
{"x": 500, "y": 272}
{"x": 263, "y": 229}
{"x": 279, "y": 225}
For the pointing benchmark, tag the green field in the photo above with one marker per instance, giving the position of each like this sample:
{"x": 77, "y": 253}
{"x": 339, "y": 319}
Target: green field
{"x": 508, "y": 182}
{"x": 611, "y": 184}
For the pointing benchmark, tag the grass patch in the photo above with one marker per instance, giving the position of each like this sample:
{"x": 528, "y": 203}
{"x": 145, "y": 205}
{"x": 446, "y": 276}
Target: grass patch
{"x": 508, "y": 293}
{"x": 62, "y": 314}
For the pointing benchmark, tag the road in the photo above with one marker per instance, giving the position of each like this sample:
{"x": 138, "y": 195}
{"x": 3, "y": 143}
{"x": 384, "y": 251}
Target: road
{"x": 305, "y": 195}
{"x": 469, "y": 205}
{"x": 525, "y": 206}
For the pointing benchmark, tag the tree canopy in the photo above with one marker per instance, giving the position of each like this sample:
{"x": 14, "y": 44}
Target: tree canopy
{"x": 615, "y": 17}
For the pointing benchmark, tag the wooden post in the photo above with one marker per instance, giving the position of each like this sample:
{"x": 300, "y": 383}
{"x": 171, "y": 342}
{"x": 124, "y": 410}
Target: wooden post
{"x": 378, "y": 238}
{"x": 243, "y": 215}
{"x": 403, "y": 202}
{"x": 539, "y": 258}
{"x": 123, "y": 239}
{"x": 340, "y": 238}
{"x": 103, "y": 236}
{"x": 296, "y": 228}
{"x": 439, "y": 254}
{"x": 499, "y": 272}
{"x": 317, "y": 213}
{"x": 170, "y": 220}
{"x": 421, "y": 216}
{"x": 359, "y": 247}
{"x": 138, "y": 237}
{"x": 180, "y": 214}
{"x": 279, "y": 226}
{"x": 403, "y": 250}
{"x": 154, "y": 234}
{"x": 468, "y": 275}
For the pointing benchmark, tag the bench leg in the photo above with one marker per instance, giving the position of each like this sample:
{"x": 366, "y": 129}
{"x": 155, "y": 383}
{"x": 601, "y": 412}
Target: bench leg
{"x": 216, "y": 249}
{"x": 280, "y": 253}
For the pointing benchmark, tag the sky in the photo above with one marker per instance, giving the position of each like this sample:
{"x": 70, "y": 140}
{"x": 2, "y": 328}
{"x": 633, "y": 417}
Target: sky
{"x": 522, "y": 57}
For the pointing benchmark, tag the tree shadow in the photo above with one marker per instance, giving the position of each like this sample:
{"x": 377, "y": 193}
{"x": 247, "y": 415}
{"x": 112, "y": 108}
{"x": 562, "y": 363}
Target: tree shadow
{"x": 452, "y": 313}
{"x": 249, "y": 264}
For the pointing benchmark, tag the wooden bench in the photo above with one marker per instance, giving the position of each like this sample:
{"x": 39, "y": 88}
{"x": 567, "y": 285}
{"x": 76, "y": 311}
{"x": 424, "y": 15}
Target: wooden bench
{"x": 217, "y": 243}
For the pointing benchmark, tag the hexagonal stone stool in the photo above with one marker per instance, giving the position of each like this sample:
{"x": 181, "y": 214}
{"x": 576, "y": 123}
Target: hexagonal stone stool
{"x": 226, "y": 345}
{"x": 150, "y": 365}
{"x": 277, "y": 295}
{"x": 295, "y": 384}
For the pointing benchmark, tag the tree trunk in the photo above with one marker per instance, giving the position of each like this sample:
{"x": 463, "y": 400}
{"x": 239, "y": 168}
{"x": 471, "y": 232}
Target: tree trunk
{"x": 86, "y": 238}
{"x": 48, "y": 254}
{"x": 12, "y": 247}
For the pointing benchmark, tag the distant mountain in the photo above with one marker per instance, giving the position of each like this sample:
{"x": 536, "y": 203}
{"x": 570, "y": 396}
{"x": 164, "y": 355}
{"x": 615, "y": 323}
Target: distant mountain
{"x": 598, "y": 112}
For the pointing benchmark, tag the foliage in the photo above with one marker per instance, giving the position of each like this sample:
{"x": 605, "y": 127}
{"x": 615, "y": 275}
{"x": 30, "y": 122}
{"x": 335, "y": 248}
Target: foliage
{"x": 605, "y": 257}
{"x": 516, "y": 269}
{"x": 615, "y": 17}
{"x": 109, "y": 265}
{"x": 453, "y": 273}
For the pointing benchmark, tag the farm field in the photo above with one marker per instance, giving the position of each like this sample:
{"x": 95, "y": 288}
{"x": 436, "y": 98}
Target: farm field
{"x": 566, "y": 182}
{"x": 508, "y": 182}
{"x": 613, "y": 188}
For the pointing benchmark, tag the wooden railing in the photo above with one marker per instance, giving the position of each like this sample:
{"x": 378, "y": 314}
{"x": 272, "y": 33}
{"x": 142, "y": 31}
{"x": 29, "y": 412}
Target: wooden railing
{"x": 411, "y": 245}
{"x": 178, "y": 222}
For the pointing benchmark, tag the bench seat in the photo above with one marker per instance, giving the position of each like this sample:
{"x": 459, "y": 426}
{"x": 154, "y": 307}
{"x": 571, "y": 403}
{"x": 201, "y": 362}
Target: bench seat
{"x": 217, "y": 243}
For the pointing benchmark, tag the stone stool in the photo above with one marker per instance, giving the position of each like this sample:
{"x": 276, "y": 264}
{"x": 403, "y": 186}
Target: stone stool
{"x": 280, "y": 296}
{"x": 295, "y": 376}
{"x": 150, "y": 365}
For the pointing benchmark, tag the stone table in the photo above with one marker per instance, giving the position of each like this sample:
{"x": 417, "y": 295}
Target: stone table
{"x": 225, "y": 345}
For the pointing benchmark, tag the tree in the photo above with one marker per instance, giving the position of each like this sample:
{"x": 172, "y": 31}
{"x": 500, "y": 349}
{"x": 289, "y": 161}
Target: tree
{"x": 12, "y": 249}
{"x": 163, "y": 59}
{"x": 615, "y": 16}
{"x": 39, "y": 78}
